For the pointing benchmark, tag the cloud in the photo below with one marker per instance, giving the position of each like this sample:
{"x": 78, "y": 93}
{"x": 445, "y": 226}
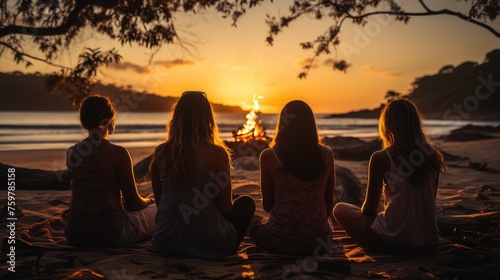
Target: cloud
{"x": 329, "y": 62}
{"x": 307, "y": 61}
{"x": 369, "y": 70}
{"x": 174, "y": 63}
{"x": 126, "y": 65}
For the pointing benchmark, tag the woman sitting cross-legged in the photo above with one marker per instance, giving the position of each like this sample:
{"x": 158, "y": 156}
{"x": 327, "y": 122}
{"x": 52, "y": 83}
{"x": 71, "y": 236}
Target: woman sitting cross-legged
{"x": 192, "y": 185}
{"x": 100, "y": 173}
{"x": 297, "y": 183}
{"x": 405, "y": 173}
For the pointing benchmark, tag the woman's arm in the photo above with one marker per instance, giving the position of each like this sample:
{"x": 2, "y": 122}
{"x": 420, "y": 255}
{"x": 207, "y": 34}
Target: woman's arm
{"x": 220, "y": 171}
{"x": 155, "y": 180}
{"x": 376, "y": 168}
{"x": 436, "y": 185}
{"x": 330, "y": 183}
{"x": 266, "y": 181}
{"x": 133, "y": 201}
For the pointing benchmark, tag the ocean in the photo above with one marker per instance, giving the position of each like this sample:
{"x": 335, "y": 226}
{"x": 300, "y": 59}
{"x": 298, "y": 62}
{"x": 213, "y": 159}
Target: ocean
{"x": 59, "y": 130}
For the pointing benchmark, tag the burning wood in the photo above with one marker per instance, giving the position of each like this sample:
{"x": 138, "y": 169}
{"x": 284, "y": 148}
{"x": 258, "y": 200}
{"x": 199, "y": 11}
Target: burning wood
{"x": 252, "y": 129}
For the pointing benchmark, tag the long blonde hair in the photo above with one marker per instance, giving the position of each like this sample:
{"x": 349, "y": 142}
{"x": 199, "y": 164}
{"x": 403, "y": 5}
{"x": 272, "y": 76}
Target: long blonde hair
{"x": 400, "y": 125}
{"x": 192, "y": 125}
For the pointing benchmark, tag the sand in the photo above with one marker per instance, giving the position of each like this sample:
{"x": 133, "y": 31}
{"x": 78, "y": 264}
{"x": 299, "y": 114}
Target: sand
{"x": 461, "y": 191}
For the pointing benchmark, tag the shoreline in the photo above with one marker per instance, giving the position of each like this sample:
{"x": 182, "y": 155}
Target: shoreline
{"x": 54, "y": 159}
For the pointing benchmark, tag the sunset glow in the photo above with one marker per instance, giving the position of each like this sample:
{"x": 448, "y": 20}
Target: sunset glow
{"x": 230, "y": 64}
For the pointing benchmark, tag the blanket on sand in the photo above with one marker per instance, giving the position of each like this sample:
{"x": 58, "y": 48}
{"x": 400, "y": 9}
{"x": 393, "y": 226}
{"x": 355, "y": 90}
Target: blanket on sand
{"x": 42, "y": 250}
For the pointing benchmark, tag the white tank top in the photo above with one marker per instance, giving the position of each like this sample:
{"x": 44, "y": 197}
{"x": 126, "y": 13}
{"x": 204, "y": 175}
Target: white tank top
{"x": 409, "y": 218}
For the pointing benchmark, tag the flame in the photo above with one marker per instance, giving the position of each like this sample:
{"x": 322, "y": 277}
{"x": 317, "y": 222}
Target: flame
{"x": 252, "y": 129}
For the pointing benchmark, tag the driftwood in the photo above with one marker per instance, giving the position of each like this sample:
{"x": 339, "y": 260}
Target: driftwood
{"x": 141, "y": 169}
{"x": 36, "y": 179}
{"x": 348, "y": 186}
{"x": 351, "y": 148}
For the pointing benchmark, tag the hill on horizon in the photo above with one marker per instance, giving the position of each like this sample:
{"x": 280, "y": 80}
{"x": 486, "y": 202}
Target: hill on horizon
{"x": 469, "y": 91}
{"x": 27, "y": 92}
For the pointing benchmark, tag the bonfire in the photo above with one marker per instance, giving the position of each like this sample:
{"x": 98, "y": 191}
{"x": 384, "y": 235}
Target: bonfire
{"x": 252, "y": 129}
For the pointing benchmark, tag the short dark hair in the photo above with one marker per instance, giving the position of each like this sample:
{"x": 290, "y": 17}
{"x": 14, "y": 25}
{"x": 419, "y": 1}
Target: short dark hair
{"x": 96, "y": 110}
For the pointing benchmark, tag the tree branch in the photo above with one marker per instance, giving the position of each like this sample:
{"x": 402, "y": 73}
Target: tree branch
{"x": 425, "y": 6}
{"x": 307, "y": 68}
{"x": 32, "y": 57}
{"x": 431, "y": 13}
{"x": 56, "y": 30}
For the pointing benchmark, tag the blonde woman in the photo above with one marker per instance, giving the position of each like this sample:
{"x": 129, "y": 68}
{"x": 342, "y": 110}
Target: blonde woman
{"x": 406, "y": 174}
{"x": 192, "y": 185}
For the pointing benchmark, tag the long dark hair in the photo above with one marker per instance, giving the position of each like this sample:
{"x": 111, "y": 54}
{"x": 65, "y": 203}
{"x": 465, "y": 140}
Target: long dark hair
{"x": 297, "y": 142}
{"x": 400, "y": 125}
{"x": 192, "y": 125}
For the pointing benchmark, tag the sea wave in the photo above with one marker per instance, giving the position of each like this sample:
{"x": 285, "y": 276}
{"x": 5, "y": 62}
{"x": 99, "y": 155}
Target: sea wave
{"x": 42, "y": 130}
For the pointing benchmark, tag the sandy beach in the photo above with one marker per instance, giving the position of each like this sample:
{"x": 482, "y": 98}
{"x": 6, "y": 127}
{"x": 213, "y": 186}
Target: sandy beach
{"x": 466, "y": 189}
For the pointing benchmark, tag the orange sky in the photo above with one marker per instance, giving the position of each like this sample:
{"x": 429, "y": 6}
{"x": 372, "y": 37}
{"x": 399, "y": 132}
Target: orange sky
{"x": 231, "y": 64}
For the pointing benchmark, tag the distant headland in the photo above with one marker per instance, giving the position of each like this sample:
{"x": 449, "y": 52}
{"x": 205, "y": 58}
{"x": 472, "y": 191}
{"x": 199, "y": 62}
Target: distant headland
{"x": 27, "y": 92}
{"x": 469, "y": 91}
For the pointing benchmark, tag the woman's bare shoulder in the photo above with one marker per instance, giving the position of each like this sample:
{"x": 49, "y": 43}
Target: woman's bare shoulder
{"x": 115, "y": 151}
{"x": 216, "y": 151}
{"x": 380, "y": 153}
{"x": 328, "y": 154}
{"x": 327, "y": 149}
{"x": 216, "y": 158}
{"x": 268, "y": 159}
{"x": 266, "y": 154}
{"x": 380, "y": 157}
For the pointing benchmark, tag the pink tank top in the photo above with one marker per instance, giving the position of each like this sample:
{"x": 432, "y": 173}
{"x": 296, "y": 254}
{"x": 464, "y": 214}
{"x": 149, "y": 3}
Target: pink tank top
{"x": 299, "y": 215}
